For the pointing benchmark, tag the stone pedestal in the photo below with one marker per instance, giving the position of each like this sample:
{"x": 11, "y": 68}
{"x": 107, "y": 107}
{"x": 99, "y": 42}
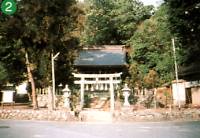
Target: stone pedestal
{"x": 66, "y": 95}
{"x": 126, "y": 93}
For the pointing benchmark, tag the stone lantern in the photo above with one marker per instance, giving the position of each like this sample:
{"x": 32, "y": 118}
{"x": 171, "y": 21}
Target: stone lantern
{"x": 126, "y": 93}
{"x": 66, "y": 95}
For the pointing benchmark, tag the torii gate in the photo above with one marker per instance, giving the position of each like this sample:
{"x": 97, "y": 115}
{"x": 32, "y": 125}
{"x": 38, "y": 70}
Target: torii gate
{"x": 92, "y": 79}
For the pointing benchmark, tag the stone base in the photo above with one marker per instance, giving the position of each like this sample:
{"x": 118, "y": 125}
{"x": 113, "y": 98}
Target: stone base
{"x": 95, "y": 116}
{"x": 126, "y": 109}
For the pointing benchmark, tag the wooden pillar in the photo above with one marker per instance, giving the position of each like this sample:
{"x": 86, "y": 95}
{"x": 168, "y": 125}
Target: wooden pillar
{"x": 112, "y": 99}
{"x": 82, "y": 92}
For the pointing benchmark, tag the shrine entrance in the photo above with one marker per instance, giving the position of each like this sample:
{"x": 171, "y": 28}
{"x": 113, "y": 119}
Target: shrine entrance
{"x": 98, "y": 82}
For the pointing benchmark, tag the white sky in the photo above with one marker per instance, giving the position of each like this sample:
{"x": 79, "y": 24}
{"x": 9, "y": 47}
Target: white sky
{"x": 152, "y": 2}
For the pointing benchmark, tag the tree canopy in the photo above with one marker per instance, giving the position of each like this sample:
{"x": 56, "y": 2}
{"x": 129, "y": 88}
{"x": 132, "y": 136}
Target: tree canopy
{"x": 113, "y": 22}
{"x": 185, "y": 23}
{"x": 152, "y": 60}
{"x": 43, "y": 27}
{"x": 40, "y": 27}
{"x": 29, "y": 38}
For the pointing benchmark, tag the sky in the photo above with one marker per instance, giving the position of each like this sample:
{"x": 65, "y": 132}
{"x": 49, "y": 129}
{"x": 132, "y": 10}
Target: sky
{"x": 152, "y": 2}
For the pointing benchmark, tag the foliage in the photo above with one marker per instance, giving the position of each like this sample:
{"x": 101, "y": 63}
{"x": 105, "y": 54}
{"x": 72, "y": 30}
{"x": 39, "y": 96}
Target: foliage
{"x": 3, "y": 74}
{"x": 40, "y": 27}
{"x": 113, "y": 22}
{"x": 74, "y": 100}
{"x": 151, "y": 79}
{"x": 12, "y": 63}
{"x": 185, "y": 22}
{"x": 152, "y": 61}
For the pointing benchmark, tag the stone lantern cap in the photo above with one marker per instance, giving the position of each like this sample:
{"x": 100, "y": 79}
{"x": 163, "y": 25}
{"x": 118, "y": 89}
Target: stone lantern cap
{"x": 126, "y": 88}
{"x": 66, "y": 89}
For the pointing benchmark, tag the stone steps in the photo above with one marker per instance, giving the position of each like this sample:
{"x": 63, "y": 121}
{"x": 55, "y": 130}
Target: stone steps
{"x": 100, "y": 103}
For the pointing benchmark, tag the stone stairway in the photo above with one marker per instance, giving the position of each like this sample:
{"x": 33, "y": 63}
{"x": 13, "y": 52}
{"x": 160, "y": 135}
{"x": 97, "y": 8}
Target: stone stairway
{"x": 101, "y": 104}
{"x": 99, "y": 111}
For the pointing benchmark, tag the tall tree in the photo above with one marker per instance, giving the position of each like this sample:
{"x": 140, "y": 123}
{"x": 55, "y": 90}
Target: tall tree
{"x": 126, "y": 16}
{"x": 113, "y": 22}
{"x": 152, "y": 62}
{"x": 38, "y": 29}
{"x": 185, "y": 22}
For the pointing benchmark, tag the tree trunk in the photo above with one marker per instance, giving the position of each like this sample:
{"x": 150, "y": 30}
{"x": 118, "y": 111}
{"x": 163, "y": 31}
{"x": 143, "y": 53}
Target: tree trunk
{"x": 30, "y": 77}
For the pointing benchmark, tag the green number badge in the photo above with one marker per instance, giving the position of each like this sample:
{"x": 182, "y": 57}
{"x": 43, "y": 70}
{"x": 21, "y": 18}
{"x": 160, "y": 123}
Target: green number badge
{"x": 8, "y": 7}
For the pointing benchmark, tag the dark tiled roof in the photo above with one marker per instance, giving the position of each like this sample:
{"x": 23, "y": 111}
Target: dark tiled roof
{"x": 107, "y": 56}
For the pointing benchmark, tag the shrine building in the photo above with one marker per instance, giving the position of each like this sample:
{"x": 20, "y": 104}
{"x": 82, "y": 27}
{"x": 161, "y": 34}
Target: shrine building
{"x": 99, "y": 71}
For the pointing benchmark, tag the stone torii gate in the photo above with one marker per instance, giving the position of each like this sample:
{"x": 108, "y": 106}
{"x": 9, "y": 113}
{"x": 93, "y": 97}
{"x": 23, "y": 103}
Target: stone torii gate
{"x": 93, "y": 79}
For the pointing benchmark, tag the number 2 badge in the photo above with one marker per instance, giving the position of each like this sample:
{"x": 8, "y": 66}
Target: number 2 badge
{"x": 8, "y": 7}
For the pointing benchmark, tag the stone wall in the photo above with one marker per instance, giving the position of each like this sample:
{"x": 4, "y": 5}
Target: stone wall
{"x": 43, "y": 101}
{"x": 29, "y": 114}
{"x": 88, "y": 116}
{"x": 157, "y": 115}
